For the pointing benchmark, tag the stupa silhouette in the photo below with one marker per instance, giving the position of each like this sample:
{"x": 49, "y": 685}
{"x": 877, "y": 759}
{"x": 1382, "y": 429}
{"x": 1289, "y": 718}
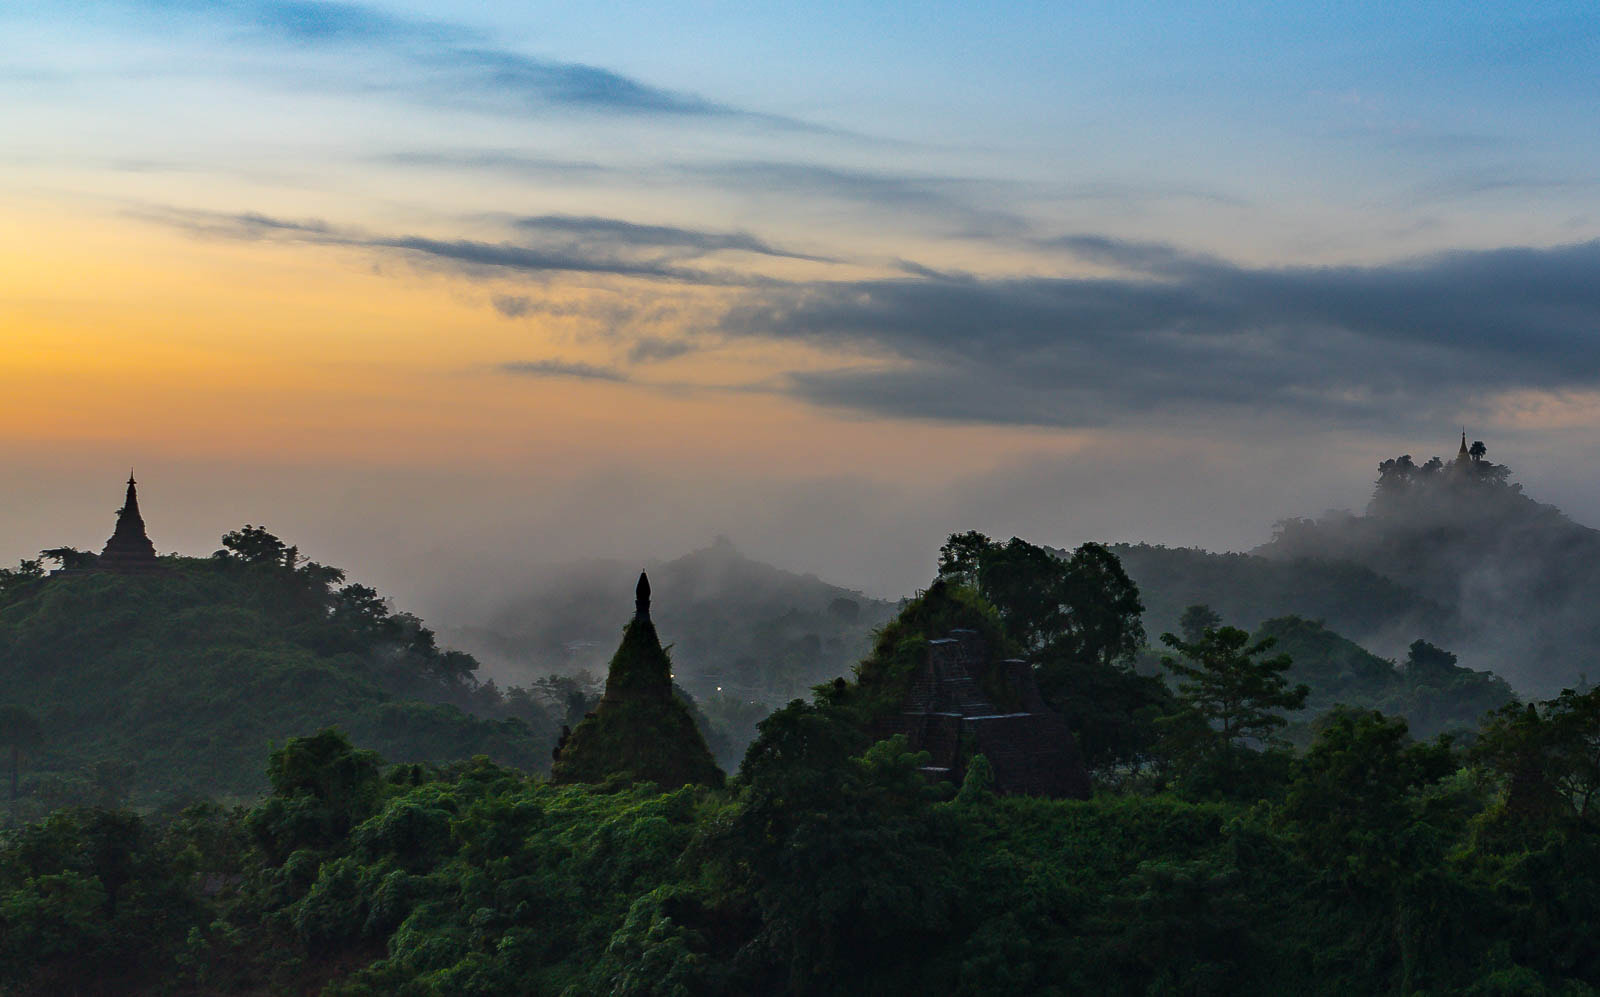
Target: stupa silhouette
{"x": 640, "y": 731}
{"x": 129, "y": 549}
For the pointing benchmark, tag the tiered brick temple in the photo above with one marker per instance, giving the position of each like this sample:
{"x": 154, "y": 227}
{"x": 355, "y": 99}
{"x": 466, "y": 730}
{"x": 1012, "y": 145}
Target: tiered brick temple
{"x": 948, "y": 709}
{"x": 129, "y": 549}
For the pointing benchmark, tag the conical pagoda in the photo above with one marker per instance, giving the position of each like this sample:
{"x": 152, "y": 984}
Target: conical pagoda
{"x": 129, "y": 549}
{"x": 641, "y": 730}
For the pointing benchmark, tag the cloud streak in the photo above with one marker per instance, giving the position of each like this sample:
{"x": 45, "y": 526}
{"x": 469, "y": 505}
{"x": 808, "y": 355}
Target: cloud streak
{"x": 454, "y": 65}
{"x": 1172, "y": 332}
{"x": 562, "y": 368}
{"x": 550, "y": 244}
{"x": 1185, "y": 333}
{"x": 619, "y": 234}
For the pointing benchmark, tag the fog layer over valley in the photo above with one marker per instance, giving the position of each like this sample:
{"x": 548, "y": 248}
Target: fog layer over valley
{"x": 734, "y": 625}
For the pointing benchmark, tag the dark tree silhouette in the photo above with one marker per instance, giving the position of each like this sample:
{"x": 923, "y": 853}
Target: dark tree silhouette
{"x": 1196, "y": 620}
{"x": 20, "y": 731}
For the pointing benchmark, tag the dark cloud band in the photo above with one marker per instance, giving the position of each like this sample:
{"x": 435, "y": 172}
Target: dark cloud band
{"x": 1186, "y": 333}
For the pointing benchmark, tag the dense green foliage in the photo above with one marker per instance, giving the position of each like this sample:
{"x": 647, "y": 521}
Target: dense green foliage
{"x": 1428, "y": 689}
{"x": 1076, "y": 617}
{"x": 1213, "y": 859}
{"x": 172, "y": 685}
{"x": 1376, "y": 864}
{"x": 884, "y": 675}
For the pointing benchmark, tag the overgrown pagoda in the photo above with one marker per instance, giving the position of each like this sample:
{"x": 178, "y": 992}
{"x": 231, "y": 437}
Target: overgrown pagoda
{"x": 129, "y": 549}
{"x": 641, "y": 730}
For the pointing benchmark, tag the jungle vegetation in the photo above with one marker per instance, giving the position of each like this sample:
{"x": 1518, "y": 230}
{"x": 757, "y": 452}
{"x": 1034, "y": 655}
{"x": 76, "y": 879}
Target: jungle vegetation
{"x": 1276, "y": 810}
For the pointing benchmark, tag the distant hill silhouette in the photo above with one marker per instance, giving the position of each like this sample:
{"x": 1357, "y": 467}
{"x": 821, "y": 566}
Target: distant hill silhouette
{"x": 755, "y": 630}
{"x": 1249, "y": 589}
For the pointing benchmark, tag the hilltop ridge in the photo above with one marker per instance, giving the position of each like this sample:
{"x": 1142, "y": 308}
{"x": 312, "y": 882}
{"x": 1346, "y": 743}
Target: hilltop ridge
{"x": 1452, "y": 552}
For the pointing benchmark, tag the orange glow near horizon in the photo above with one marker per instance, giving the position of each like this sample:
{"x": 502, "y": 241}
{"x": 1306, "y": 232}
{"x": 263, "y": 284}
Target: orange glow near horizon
{"x": 123, "y": 332}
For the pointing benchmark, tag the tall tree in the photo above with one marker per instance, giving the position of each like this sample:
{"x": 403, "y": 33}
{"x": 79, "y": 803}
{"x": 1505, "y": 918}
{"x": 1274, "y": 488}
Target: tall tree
{"x": 20, "y": 731}
{"x": 1228, "y": 681}
{"x": 1196, "y": 620}
{"x": 1547, "y": 755}
{"x": 1078, "y": 618}
{"x": 1083, "y": 607}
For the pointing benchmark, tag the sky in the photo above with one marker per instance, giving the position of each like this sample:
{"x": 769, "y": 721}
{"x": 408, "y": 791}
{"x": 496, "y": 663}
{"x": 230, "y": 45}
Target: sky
{"x": 448, "y": 294}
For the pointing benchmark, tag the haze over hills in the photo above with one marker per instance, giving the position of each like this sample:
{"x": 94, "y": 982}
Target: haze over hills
{"x": 1462, "y": 559}
{"x": 1451, "y": 552}
{"x": 757, "y": 631}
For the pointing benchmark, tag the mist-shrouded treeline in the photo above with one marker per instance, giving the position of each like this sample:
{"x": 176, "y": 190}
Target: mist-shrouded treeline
{"x": 1451, "y": 552}
{"x": 1275, "y": 809}
{"x": 1212, "y": 859}
{"x": 735, "y": 626}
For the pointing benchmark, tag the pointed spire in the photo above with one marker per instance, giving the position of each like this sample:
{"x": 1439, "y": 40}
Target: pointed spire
{"x": 640, "y": 730}
{"x": 129, "y": 549}
{"x": 641, "y": 598}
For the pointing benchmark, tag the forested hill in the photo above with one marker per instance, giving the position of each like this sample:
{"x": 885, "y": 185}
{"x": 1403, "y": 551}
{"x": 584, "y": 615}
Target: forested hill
{"x": 1519, "y": 578}
{"x": 759, "y": 632}
{"x": 155, "y": 687}
{"x": 1249, "y": 589}
{"x": 1454, "y": 553}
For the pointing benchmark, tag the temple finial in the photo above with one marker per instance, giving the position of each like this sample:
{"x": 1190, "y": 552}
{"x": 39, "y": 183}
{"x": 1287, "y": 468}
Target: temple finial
{"x": 641, "y": 598}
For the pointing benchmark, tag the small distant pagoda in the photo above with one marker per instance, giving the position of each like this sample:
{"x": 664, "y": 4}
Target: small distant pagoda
{"x": 129, "y": 549}
{"x": 641, "y": 731}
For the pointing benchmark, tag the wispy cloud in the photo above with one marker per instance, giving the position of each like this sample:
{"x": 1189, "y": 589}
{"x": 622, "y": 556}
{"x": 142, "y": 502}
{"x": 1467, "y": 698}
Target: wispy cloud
{"x": 617, "y": 233}
{"x": 1188, "y": 333}
{"x": 654, "y": 349}
{"x": 511, "y": 305}
{"x": 1500, "y": 180}
{"x": 562, "y": 368}
{"x": 451, "y": 64}
{"x": 959, "y": 201}
{"x": 548, "y": 245}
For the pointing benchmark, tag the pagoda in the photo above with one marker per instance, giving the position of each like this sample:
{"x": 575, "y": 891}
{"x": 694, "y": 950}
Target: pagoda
{"x": 129, "y": 549}
{"x": 641, "y": 731}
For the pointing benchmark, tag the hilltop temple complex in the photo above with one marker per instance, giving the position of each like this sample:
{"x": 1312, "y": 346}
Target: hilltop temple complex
{"x": 640, "y": 730}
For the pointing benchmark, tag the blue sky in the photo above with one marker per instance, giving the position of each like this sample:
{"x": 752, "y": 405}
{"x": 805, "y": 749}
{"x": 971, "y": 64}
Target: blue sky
{"x": 1023, "y": 233}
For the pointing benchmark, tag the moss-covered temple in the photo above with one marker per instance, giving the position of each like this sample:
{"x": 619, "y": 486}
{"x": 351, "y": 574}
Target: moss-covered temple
{"x": 640, "y": 730}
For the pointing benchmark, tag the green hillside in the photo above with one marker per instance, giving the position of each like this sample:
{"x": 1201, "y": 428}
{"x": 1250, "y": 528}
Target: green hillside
{"x": 1518, "y": 578}
{"x": 169, "y": 684}
{"x": 1248, "y": 589}
{"x": 1428, "y": 689}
